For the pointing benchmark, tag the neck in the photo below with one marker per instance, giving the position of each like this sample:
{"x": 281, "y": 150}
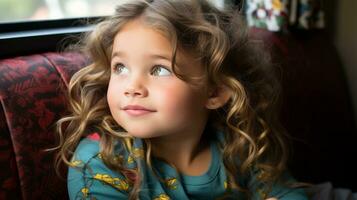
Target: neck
{"x": 189, "y": 153}
{"x": 177, "y": 147}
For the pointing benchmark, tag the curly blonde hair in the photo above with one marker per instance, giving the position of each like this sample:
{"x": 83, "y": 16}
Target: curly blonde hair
{"x": 220, "y": 39}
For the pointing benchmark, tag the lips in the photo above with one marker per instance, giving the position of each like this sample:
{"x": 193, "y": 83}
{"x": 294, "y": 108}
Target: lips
{"x": 136, "y": 110}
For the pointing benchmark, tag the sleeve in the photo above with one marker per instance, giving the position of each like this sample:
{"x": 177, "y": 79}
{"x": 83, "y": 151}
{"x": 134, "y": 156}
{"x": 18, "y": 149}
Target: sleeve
{"x": 89, "y": 178}
{"x": 280, "y": 190}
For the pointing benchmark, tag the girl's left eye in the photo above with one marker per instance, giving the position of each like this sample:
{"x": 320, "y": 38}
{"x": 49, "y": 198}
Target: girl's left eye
{"x": 160, "y": 70}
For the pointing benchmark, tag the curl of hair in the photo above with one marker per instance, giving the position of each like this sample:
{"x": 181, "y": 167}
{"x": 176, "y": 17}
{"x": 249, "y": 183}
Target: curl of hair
{"x": 220, "y": 40}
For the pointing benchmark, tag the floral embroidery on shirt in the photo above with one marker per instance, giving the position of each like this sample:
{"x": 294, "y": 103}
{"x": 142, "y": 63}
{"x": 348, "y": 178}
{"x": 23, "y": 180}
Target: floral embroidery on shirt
{"x": 83, "y": 194}
{"x": 115, "y": 182}
{"x": 137, "y": 153}
{"x": 85, "y": 191}
{"x": 225, "y": 184}
{"x": 162, "y": 197}
{"x": 130, "y": 160}
{"x": 171, "y": 183}
{"x": 76, "y": 163}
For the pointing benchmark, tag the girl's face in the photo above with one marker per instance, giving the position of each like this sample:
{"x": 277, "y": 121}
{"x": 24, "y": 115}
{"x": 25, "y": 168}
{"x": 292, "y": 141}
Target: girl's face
{"x": 144, "y": 95}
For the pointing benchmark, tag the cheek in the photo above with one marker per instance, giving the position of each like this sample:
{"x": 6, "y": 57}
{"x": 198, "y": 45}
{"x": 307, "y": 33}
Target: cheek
{"x": 110, "y": 94}
{"x": 113, "y": 99}
{"x": 113, "y": 93}
{"x": 179, "y": 99}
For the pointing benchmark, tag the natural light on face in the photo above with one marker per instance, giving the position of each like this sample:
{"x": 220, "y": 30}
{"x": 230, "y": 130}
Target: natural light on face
{"x": 144, "y": 95}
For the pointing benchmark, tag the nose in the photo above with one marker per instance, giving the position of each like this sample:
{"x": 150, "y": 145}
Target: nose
{"x": 136, "y": 87}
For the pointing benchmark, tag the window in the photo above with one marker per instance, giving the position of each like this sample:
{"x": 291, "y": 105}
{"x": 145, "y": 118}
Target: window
{"x": 19, "y": 10}
{"x": 33, "y": 26}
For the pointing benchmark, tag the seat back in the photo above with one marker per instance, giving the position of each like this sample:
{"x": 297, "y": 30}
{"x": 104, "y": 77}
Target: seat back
{"x": 32, "y": 95}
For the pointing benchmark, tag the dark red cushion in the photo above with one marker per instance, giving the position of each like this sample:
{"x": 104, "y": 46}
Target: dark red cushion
{"x": 32, "y": 97}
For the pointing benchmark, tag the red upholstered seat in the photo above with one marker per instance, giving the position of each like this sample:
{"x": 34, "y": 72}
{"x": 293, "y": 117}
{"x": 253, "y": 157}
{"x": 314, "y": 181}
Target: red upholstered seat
{"x": 32, "y": 99}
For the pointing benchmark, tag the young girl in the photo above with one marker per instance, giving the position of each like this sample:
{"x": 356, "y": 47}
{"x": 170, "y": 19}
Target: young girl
{"x": 177, "y": 104}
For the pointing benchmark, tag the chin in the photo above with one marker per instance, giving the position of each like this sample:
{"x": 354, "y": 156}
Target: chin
{"x": 142, "y": 135}
{"x": 143, "y": 132}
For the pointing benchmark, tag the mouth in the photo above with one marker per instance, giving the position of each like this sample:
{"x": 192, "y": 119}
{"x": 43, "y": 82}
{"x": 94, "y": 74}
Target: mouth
{"x": 136, "y": 110}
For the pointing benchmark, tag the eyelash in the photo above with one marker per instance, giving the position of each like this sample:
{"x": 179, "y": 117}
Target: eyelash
{"x": 119, "y": 66}
{"x": 116, "y": 67}
{"x": 156, "y": 67}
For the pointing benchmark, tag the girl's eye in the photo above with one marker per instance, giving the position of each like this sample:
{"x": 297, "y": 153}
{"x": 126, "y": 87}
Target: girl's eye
{"x": 160, "y": 70}
{"x": 120, "y": 69}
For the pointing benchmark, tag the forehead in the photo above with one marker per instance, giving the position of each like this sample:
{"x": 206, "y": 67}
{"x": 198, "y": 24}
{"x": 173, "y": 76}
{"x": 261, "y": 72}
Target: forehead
{"x": 140, "y": 39}
{"x": 137, "y": 36}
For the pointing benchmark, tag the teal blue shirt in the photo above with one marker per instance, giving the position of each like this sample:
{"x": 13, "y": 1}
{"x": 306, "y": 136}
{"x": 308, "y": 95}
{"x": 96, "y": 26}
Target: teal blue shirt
{"x": 89, "y": 178}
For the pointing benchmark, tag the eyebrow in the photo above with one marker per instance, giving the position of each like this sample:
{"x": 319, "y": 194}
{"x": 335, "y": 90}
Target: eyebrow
{"x": 117, "y": 54}
{"x": 153, "y": 55}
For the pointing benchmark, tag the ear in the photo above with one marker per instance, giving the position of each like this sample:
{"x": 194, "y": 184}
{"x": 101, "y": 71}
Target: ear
{"x": 218, "y": 97}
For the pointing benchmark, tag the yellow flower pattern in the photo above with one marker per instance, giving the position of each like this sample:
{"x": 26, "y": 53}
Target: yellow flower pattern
{"x": 130, "y": 159}
{"x": 162, "y": 197}
{"x": 76, "y": 163}
{"x": 137, "y": 153}
{"x": 225, "y": 184}
{"x": 171, "y": 183}
{"x": 115, "y": 182}
{"x": 85, "y": 191}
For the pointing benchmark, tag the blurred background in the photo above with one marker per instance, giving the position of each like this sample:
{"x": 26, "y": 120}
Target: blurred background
{"x": 20, "y": 10}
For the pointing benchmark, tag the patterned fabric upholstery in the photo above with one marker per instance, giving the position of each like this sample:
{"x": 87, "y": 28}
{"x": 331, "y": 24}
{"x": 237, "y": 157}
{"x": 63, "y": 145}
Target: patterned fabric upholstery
{"x": 32, "y": 98}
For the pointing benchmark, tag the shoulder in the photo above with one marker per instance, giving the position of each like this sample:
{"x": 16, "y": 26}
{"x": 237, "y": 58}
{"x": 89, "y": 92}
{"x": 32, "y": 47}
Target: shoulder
{"x": 86, "y": 150}
{"x": 88, "y": 176}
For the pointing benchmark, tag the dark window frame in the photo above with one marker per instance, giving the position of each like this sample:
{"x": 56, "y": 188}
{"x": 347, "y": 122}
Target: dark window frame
{"x": 31, "y": 37}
